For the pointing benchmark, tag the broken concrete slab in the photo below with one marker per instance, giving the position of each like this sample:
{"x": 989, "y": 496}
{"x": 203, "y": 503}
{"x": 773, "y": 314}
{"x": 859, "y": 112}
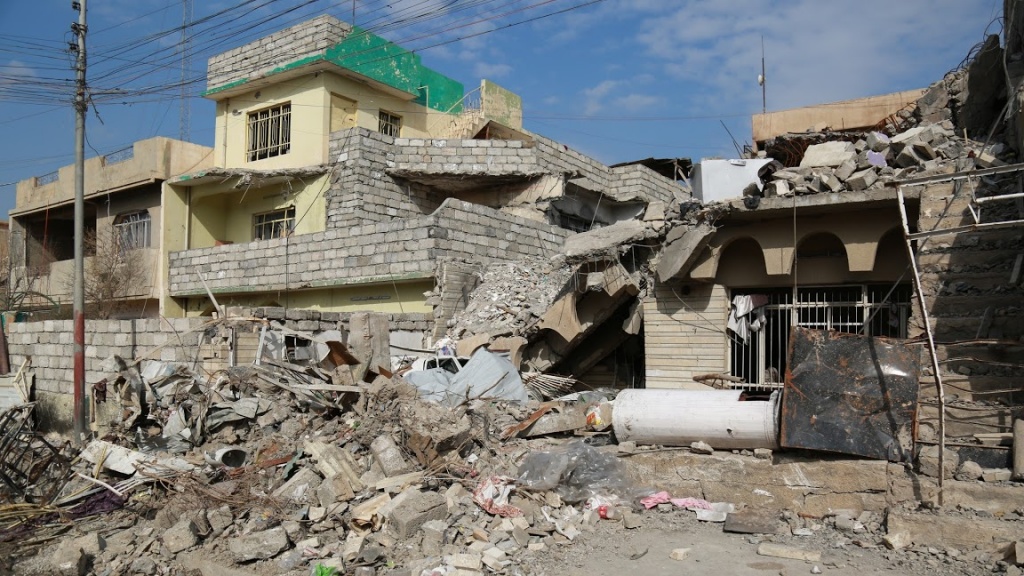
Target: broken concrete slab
{"x": 752, "y": 521}
{"x": 301, "y": 487}
{"x": 332, "y": 461}
{"x": 961, "y": 532}
{"x": 334, "y": 489}
{"x": 789, "y": 552}
{"x": 928, "y": 462}
{"x": 681, "y": 249}
{"x": 259, "y": 545}
{"x": 846, "y": 170}
{"x": 562, "y": 418}
{"x": 828, "y": 154}
{"x": 877, "y": 141}
{"x": 655, "y": 211}
{"x": 410, "y": 513}
{"x": 181, "y": 536}
{"x": 607, "y": 239}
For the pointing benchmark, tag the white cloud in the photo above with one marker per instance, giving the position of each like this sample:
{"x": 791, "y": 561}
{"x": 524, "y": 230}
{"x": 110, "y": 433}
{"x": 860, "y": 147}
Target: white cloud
{"x": 593, "y": 97}
{"x": 637, "y": 102}
{"x": 486, "y": 70}
{"x": 16, "y": 72}
{"x": 815, "y": 51}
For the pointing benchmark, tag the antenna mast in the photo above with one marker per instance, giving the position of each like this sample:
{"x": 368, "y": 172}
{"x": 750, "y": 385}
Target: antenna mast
{"x": 185, "y": 115}
{"x": 764, "y": 92}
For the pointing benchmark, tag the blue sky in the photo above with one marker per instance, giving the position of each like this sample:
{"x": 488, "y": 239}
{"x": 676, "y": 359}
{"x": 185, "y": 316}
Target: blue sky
{"x": 616, "y": 79}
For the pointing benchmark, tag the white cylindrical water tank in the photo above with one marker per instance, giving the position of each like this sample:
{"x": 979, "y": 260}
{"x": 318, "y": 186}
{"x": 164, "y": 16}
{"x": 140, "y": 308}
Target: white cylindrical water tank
{"x": 679, "y": 417}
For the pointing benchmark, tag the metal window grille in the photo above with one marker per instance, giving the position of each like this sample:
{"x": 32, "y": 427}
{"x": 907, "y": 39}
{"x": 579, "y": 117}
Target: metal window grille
{"x": 861, "y": 309}
{"x": 133, "y": 230}
{"x": 389, "y": 124}
{"x": 270, "y": 132}
{"x": 275, "y": 224}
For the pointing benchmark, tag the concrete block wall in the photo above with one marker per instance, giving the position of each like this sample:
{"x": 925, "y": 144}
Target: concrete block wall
{"x": 464, "y": 157}
{"x": 319, "y": 321}
{"x": 256, "y": 58}
{"x": 455, "y": 280}
{"x": 362, "y": 190}
{"x": 640, "y": 181}
{"x": 558, "y": 158}
{"x": 50, "y": 344}
{"x": 376, "y": 251}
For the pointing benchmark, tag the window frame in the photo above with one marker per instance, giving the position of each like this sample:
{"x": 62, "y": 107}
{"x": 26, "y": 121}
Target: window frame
{"x": 261, "y": 222}
{"x": 127, "y": 233}
{"x": 389, "y": 123}
{"x": 268, "y": 132}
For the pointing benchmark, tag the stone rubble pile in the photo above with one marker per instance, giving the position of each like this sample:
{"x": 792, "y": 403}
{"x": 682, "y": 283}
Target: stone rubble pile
{"x": 510, "y": 297}
{"x": 875, "y": 159}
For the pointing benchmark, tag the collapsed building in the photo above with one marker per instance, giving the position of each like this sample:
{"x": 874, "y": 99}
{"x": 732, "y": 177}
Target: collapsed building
{"x": 832, "y": 325}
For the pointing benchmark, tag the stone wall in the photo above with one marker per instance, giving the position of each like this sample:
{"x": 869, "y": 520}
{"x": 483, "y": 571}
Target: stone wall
{"x": 261, "y": 56}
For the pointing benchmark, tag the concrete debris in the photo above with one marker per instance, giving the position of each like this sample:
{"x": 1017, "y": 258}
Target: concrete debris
{"x": 781, "y": 551}
{"x": 326, "y": 450}
{"x": 829, "y": 154}
{"x": 607, "y": 240}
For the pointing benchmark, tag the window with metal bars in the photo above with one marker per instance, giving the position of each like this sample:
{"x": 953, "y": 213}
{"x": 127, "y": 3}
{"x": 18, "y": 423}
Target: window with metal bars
{"x": 390, "y": 124}
{"x": 133, "y": 230}
{"x": 270, "y": 132}
{"x": 873, "y": 310}
{"x": 274, "y": 224}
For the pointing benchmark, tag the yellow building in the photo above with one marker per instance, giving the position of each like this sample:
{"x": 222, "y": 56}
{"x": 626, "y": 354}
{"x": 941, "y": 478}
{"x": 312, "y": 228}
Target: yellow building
{"x": 348, "y": 176}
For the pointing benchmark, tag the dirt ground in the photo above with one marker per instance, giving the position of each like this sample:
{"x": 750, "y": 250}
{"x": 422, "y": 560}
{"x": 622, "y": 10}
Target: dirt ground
{"x": 608, "y": 548}
{"x": 611, "y": 549}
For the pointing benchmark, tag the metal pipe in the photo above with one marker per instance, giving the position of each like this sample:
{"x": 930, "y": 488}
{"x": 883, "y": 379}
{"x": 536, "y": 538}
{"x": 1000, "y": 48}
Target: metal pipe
{"x": 931, "y": 338}
{"x": 78, "y": 301}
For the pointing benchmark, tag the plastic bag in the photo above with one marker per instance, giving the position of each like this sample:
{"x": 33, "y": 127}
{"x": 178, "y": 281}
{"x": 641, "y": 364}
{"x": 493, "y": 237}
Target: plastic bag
{"x": 577, "y": 473}
{"x": 541, "y": 471}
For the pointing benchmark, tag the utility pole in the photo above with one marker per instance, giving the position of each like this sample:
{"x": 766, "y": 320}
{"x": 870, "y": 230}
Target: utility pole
{"x": 78, "y": 297}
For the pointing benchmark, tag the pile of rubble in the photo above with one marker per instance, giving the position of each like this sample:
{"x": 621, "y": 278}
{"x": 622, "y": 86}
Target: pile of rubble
{"x": 859, "y": 162}
{"x": 510, "y": 297}
{"x": 277, "y": 466}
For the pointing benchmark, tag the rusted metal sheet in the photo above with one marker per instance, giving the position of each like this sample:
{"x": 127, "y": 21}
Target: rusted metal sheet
{"x": 850, "y": 394}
